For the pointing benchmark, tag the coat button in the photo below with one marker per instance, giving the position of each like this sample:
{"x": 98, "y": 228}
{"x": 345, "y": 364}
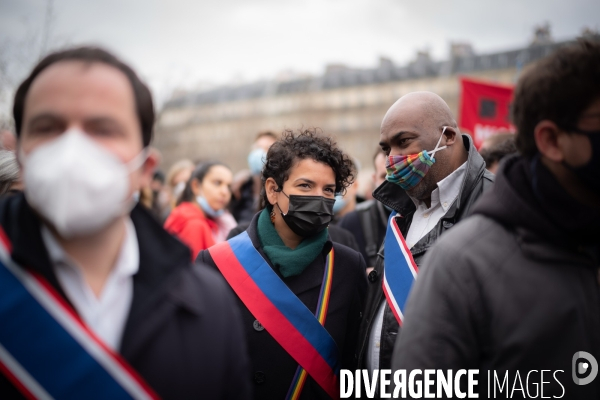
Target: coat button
{"x": 259, "y": 377}
{"x": 373, "y": 276}
{"x": 257, "y": 326}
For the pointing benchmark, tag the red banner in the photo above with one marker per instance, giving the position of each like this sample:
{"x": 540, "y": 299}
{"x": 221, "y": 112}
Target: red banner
{"x": 484, "y": 109}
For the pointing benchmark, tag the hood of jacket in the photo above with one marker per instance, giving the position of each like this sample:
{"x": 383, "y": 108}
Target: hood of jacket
{"x": 527, "y": 199}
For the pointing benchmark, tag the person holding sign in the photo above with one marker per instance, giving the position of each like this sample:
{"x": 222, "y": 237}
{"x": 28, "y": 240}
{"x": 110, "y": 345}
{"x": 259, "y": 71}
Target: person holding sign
{"x": 300, "y": 293}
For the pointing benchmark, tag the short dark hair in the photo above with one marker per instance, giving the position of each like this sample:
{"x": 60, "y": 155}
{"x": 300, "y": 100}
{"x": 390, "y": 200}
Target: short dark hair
{"x": 305, "y": 144}
{"x": 142, "y": 95}
{"x": 500, "y": 145}
{"x": 159, "y": 176}
{"x": 198, "y": 174}
{"x": 558, "y": 88}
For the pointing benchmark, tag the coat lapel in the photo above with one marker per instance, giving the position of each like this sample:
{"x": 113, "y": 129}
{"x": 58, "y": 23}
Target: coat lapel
{"x": 162, "y": 260}
{"x": 23, "y": 227}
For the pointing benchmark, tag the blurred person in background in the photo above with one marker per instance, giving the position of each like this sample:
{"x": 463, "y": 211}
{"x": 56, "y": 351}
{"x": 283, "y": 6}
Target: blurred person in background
{"x": 304, "y": 290}
{"x": 346, "y": 202}
{"x": 154, "y": 197}
{"x": 246, "y": 184}
{"x": 434, "y": 176}
{"x": 114, "y": 308}
{"x": 10, "y": 176}
{"x": 160, "y": 195}
{"x": 515, "y": 286}
{"x": 495, "y": 148}
{"x": 201, "y": 218}
{"x": 177, "y": 176}
{"x": 369, "y": 221}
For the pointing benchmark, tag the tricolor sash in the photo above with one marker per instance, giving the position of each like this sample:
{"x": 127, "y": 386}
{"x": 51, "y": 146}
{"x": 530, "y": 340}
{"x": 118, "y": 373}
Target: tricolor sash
{"x": 47, "y": 352}
{"x": 400, "y": 269}
{"x": 280, "y": 311}
{"x": 320, "y": 315}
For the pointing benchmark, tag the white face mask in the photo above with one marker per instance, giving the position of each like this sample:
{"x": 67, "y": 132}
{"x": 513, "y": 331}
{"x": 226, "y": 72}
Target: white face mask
{"x": 178, "y": 189}
{"x": 76, "y": 184}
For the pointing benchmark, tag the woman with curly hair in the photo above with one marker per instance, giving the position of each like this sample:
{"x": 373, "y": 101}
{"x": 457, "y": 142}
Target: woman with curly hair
{"x": 300, "y": 293}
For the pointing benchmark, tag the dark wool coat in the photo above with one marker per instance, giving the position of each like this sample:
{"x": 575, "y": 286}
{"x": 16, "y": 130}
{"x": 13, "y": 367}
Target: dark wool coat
{"x": 272, "y": 367}
{"x": 183, "y": 332}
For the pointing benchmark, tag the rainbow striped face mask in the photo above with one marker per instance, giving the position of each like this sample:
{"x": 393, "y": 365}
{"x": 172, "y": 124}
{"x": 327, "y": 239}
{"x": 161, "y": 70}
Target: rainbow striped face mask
{"x": 408, "y": 171}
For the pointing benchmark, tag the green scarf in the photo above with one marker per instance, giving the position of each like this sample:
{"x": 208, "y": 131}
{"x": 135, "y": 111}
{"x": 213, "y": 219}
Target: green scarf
{"x": 289, "y": 262}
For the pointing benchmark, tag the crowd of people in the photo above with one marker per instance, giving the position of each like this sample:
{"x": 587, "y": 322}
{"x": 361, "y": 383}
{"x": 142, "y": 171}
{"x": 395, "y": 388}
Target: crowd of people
{"x": 119, "y": 279}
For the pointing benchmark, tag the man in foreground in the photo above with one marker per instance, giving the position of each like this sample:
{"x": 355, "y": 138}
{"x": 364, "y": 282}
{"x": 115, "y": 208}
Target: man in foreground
{"x": 95, "y": 297}
{"x": 514, "y": 289}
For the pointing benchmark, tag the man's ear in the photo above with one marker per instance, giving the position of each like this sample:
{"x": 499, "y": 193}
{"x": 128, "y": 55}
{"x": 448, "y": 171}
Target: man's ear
{"x": 450, "y": 134}
{"x": 546, "y": 134}
{"x": 149, "y": 167}
{"x": 271, "y": 189}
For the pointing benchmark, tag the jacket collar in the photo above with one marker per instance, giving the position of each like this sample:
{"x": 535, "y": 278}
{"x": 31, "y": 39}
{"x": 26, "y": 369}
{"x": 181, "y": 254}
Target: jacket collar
{"x": 512, "y": 202}
{"x": 162, "y": 258}
{"x": 311, "y": 277}
{"x": 396, "y": 198}
{"x": 23, "y": 228}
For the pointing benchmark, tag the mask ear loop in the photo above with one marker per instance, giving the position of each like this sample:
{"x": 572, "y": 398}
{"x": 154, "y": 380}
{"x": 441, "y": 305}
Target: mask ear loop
{"x": 138, "y": 160}
{"x": 280, "y": 190}
{"x": 432, "y": 153}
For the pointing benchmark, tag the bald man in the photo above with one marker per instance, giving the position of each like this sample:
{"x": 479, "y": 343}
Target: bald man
{"x": 434, "y": 175}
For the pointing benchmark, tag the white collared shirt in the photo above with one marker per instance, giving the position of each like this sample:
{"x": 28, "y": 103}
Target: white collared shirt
{"x": 423, "y": 221}
{"x": 106, "y": 314}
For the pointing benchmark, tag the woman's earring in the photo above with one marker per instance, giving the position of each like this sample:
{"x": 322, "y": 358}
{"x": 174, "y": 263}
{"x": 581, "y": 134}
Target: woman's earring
{"x": 273, "y": 216}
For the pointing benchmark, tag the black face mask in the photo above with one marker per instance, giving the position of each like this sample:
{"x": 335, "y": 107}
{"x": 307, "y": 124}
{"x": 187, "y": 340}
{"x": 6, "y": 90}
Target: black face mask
{"x": 590, "y": 172}
{"x": 308, "y": 215}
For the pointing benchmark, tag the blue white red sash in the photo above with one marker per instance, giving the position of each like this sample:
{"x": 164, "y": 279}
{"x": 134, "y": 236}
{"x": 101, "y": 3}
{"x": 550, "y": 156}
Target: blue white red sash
{"x": 279, "y": 310}
{"x": 321, "y": 315}
{"x": 47, "y": 352}
{"x": 400, "y": 269}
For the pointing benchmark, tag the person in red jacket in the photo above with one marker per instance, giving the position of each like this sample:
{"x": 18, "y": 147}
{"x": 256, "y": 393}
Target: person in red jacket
{"x": 200, "y": 218}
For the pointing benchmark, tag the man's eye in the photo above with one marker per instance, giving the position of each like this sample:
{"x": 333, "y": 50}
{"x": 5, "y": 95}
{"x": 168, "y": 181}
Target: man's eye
{"x": 46, "y": 128}
{"x": 330, "y": 190}
{"x": 102, "y": 131}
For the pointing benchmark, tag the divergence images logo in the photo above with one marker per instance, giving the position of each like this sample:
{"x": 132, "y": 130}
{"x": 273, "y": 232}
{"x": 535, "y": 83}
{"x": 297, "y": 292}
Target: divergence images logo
{"x": 584, "y": 364}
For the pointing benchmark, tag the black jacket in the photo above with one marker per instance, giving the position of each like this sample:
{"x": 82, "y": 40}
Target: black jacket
{"x": 244, "y": 207}
{"x": 183, "y": 333}
{"x": 272, "y": 367}
{"x": 476, "y": 180}
{"x": 508, "y": 290}
{"x": 368, "y": 223}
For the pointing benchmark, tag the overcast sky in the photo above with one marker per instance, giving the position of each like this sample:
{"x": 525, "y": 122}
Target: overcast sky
{"x": 185, "y": 42}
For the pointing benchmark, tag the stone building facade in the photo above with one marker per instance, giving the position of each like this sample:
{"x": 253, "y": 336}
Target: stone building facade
{"x": 344, "y": 102}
